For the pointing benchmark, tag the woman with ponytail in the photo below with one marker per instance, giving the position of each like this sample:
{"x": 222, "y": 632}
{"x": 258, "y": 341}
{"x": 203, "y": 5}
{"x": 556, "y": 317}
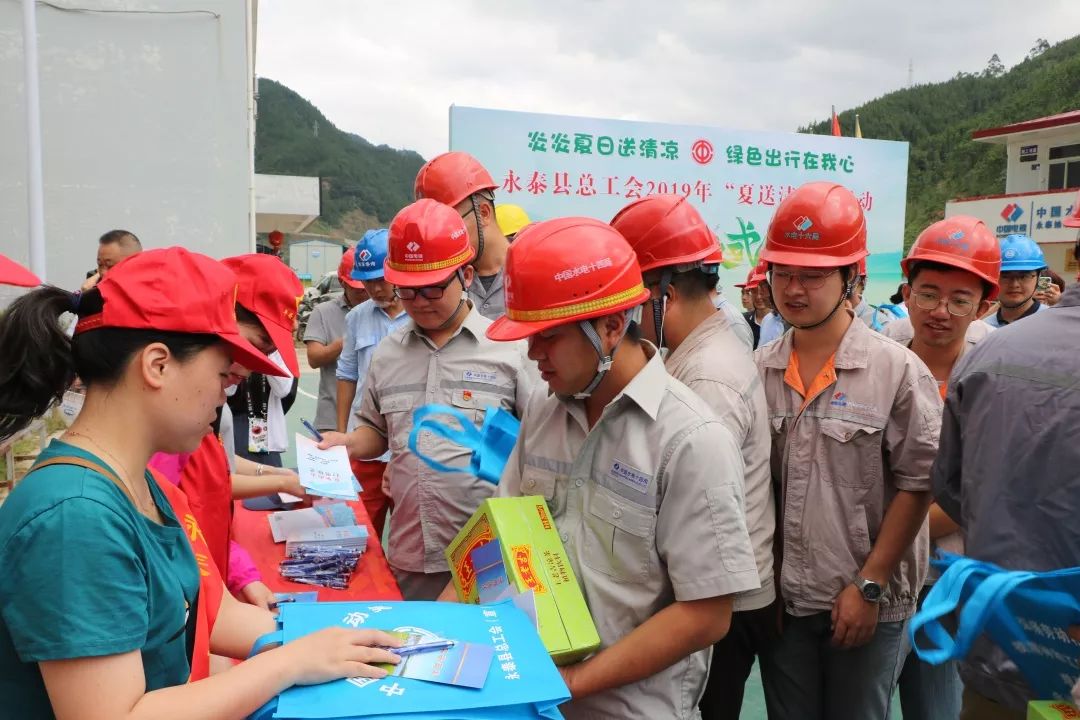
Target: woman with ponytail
{"x": 105, "y": 592}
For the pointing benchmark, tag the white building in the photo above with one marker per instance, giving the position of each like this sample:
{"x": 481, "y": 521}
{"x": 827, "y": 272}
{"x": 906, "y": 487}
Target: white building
{"x": 1041, "y": 186}
{"x": 147, "y": 120}
{"x": 313, "y": 258}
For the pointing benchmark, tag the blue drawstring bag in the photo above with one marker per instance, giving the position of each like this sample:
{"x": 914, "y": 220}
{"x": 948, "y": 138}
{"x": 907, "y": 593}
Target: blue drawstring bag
{"x": 1024, "y": 613}
{"x": 522, "y": 681}
{"x": 491, "y": 445}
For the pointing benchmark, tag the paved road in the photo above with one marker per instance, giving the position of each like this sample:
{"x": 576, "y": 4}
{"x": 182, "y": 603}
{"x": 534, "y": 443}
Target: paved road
{"x": 304, "y": 407}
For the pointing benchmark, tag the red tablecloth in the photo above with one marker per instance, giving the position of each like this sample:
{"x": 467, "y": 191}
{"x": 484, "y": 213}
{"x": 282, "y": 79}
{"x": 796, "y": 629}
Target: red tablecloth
{"x": 373, "y": 579}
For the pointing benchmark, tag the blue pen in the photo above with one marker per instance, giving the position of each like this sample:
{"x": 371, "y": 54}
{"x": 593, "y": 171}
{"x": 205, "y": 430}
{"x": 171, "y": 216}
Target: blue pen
{"x": 422, "y": 647}
{"x": 311, "y": 429}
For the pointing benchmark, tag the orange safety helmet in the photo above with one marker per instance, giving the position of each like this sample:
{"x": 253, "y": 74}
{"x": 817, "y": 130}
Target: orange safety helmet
{"x": 344, "y": 270}
{"x": 962, "y": 242}
{"x": 452, "y": 177}
{"x": 1073, "y": 221}
{"x": 665, "y": 230}
{"x": 566, "y": 270}
{"x": 428, "y": 243}
{"x": 821, "y": 224}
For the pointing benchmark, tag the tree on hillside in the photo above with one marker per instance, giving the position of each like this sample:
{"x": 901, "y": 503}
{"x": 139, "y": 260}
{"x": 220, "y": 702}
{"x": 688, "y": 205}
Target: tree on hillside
{"x": 937, "y": 119}
{"x": 1041, "y": 46}
{"x": 994, "y": 68}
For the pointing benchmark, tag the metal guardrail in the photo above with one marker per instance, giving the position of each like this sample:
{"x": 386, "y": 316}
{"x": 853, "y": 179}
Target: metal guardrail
{"x": 7, "y": 448}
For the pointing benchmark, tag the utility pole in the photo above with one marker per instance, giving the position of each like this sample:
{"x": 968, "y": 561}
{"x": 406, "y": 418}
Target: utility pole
{"x": 35, "y": 193}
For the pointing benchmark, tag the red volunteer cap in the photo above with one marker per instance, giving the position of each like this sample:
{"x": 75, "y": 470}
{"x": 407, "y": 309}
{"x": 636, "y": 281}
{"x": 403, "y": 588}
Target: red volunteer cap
{"x": 344, "y": 271}
{"x": 174, "y": 290}
{"x": 12, "y": 273}
{"x": 270, "y": 289}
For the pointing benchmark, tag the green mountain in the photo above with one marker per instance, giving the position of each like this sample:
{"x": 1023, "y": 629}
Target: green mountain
{"x": 363, "y": 185}
{"x": 938, "y": 119}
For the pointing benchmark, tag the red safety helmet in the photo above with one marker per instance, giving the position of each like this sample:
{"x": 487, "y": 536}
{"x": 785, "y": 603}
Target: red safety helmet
{"x": 757, "y": 275}
{"x": 428, "y": 243}
{"x": 174, "y": 290}
{"x": 665, "y": 230}
{"x": 345, "y": 268}
{"x": 821, "y": 224}
{"x": 716, "y": 257}
{"x": 962, "y": 242}
{"x": 452, "y": 177}
{"x": 1073, "y": 221}
{"x": 566, "y": 270}
{"x": 271, "y": 290}
{"x": 749, "y": 284}
{"x": 12, "y": 273}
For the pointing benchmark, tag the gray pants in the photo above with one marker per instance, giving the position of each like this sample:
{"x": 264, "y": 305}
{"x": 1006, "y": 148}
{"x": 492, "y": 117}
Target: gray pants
{"x": 805, "y": 678}
{"x": 420, "y": 586}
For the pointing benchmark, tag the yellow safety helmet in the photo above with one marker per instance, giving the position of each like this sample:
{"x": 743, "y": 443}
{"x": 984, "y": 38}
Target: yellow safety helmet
{"x": 511, "y": 219}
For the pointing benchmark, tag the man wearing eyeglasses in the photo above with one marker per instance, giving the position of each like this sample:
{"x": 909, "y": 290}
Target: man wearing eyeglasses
{"x": 952, "y": 272}
{"x": 365, "y": 327}
{"x": 440, "y": 356}
{"x": 459, "y": 180}
{"x": 854, "y": 420}
{"x": 1021, "y": 264}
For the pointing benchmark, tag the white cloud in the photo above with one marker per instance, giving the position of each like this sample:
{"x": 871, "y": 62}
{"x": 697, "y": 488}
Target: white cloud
{"x": 390, "y": 71}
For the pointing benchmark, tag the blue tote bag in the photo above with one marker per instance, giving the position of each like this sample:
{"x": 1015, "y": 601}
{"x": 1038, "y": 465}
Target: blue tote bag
{"x": 491, "y": 445}
{"x": 521, "y": 682}
{"x": 1024, "y": 613}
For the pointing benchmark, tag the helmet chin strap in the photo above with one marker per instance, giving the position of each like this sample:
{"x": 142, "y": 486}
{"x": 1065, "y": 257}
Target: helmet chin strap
{"x": 1020, "y": 304}
{"x": 659, "y": 309}
{"x": 848, "y": 287}
{"x": 461, "y": 303}
{"x": 605, "y": 360}
{"x": 479, "y": 228}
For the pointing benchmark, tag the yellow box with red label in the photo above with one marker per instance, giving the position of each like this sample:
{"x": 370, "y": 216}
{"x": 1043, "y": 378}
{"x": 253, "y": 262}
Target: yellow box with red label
{"x": 535, "y": 559}
{"x": 1052, "y": 710}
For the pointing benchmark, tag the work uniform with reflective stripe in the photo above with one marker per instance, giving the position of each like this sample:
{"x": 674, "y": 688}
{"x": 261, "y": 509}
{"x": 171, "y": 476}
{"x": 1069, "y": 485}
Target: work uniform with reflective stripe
{"x": 868, "y": 430}
{"x": 649, "y": 507}
{"x": 469, "y": 373}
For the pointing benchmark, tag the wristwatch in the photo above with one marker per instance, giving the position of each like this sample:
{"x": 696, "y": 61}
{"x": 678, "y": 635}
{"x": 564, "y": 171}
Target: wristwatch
{"x": 871, "y": 591}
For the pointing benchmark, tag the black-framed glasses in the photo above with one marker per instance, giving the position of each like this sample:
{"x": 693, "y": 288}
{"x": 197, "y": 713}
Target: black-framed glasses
{"x": 809, "y": 279}
{"x": 932, "y": 301}
{"x": 431, "y": 292}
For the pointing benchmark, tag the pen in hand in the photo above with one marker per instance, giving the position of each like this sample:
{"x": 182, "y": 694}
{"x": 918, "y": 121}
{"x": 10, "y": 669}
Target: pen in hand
{"x": 311, "y": 429}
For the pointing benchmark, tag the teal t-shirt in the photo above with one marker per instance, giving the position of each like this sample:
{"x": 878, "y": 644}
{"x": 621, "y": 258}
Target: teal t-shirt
{"x": 84, "y": 574}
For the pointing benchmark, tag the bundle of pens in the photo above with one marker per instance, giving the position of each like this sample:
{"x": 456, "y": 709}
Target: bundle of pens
{"x": 326, "y": 565}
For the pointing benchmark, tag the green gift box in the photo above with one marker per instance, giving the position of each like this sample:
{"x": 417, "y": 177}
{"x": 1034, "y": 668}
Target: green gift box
{"x": 1052, "y": 710}
{"x": 535, "y": 559}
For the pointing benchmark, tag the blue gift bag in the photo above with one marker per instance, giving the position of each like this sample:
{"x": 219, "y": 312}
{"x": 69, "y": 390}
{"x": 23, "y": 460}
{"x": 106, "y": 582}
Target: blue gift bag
{"x": 491, "y": 445}
{"x": 1024, "y": 613}
{"x": 522, "y": 681}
